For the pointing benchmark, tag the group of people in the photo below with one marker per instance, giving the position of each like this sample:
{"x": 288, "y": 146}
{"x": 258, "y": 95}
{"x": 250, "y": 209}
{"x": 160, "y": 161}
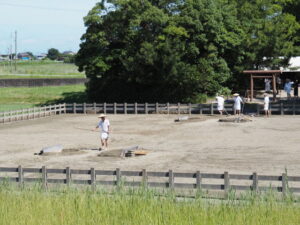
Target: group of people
{"x": 238, "y": 101}
{"x": 288, "y": 86}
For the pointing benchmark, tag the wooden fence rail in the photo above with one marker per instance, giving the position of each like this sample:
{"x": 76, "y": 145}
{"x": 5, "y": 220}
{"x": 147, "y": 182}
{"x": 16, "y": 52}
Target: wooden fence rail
{"x": 288, "y": 108}
{"x": 32, "y": 113}
{"x": 169, "y": 179}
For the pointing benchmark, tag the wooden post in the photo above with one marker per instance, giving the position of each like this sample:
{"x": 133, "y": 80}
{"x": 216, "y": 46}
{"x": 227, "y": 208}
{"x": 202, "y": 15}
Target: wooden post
{"x": 198, "y": 180}
{"x": 33, "y": 112}
{"x": 146, "y": 108}
{"x": 145, "y": 178}
{"x": 251, "y": 88}
{"x": 10, "y": 115}
{"x": 118, "y": 177}
{"x": 104, "y": 107}
{"x": 68, "y": 176}
{"x": 190, "y": 109}
{"x": 178, "y": 108}
{"x": 212, "y": 108}
{"x": 171, "y": 179}
{"x": 44, "y": 177}
{"x": 226, "y": 183}
{"x": 257, "y": 109}
{"x": 156, "y": 108}
{"x": 200, "y": 109}
{"x": 84, "y": 108}
{"x": 115, "y": 108}
{"x": 125, "y": 108}
{"x": 168, "y": 108}
{"x": 135, "y": 108}
{"x": 20, "y": 176}
{"x": 274, "y": 86}
{"x": 255, "y": 182}
{"x": 65, "y": 108}
{"x": 281, "y": 108}
{"x": 294, "y": 108}
{"x": 93, "y": 179}
{"x": 74, "y": 108}
{"x": 95, "y": 107}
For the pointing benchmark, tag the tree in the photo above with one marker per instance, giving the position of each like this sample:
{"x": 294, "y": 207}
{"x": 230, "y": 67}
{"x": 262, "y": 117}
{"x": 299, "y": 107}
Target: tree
{"x": 53, "y": 54}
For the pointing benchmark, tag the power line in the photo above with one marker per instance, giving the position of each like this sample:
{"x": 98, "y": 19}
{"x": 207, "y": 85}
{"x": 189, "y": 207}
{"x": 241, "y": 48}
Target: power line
{"x": 39, "y": 7}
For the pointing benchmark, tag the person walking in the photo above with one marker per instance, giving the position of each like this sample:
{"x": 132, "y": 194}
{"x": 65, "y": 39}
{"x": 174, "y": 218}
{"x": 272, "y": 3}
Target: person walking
{"x": 237, "y": 104}
{"x": 267, "y": 85}
{"x": 220, "y": 103}
{"x": 288, "y": 87}
{"x": 296, "y": 85}
{"x": 104, "y": 126}
{"x": 266, "y": 105}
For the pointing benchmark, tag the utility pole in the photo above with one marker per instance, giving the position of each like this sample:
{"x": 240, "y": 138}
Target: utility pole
{"x": 16, "y": 56}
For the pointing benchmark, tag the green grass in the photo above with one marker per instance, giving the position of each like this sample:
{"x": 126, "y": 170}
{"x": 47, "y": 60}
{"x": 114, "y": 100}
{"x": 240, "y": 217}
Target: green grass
{"x": 24, "y": 97}
{"x": 139, "y": 208}
{"x": 46, "y": 68}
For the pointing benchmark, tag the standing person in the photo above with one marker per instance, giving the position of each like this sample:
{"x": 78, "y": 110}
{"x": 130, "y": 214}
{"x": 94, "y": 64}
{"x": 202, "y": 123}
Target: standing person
{"x": 267, "y": 85}
{"x": 220, "y": 103}
{"x": 296, "y": 85}
{"x": 288, "y": 87}
{"x": 104, "y": 125}
{"x": 266, "y": 105}
{"x": 237, "y": 104}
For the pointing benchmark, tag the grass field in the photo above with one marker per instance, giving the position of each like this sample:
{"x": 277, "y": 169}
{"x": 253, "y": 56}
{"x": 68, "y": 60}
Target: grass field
{"x": 39, "y": 69}
{"x": 24, "y": 97}
{"x": 139, "y": 207}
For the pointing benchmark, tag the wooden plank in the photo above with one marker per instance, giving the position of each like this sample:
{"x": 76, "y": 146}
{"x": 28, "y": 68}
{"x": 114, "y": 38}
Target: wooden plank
{"x": 241, "y": 177}
{"x": 289, "y": 178}
{"x": 213, "y": 186}
{"x": 185, "y": 175}
{"x": 294, "y": 190}
{"x": 184, "y": 185}
{"x": 58, "y": 171}
{"x": 158, "y": 174}
{"x": 84, "y": 172}
{"x": 132, "y": 183}
{"x": 132, "y": 173}
{"x": 9, "y": 179}
{"x": 158, "y": 184}
{"x": 105, "y": 182}
{"x": 6, "y": 169}
{"x": 212, "y": 176}
{"x": 31, "y": 180}
{"x": 79, "y": 181}
{"x": 32, "y": 170}
{"x": 269, "y": 178}
{"x": 56, "y": 181}
{"x": 270, "y": 188}
{"x": 240, "y": 187}
{"x": 105, "y": 172}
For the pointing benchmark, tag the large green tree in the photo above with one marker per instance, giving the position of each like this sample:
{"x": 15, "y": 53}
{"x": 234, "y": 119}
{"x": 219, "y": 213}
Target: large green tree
{"x": 174, "y": 50}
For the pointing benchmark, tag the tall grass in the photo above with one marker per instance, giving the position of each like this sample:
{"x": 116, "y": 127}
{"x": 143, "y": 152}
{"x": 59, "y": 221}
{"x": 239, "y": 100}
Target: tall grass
{"x": 40, "y": 68}
{"x": 140, "y": 207}
{"x": 24, "y": 97}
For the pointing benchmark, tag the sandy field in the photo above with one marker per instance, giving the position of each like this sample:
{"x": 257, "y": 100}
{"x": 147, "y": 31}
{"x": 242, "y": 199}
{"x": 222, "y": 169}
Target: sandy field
{"x": 265, "y": 145}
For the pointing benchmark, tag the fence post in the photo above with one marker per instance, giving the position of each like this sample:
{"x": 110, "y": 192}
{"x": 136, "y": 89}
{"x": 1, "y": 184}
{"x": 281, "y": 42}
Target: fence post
{"x": 20, "y": 176}
{"x": 125, "y": 108}
{"x": 200, "y": 109}
{"x": 33, "y": 112}
{"x": 178, "y": 108}
{"x": 190, "y": 108}
{"x": 68, "y": 176}
{"x": 95, "y": 107}
{"x": 115, "y": 108}
{"x": 93, "y": 179}
{"x": 255, "y": 182}
{"x": 281, "y": 108}
{"x": 284, "y": 184}
{"x": 156, "y": 107}
{"x": 226, "y": 184}
{"x": 135, "y": 108}
{"x": 294, "y": 107}
{"x": 118, "y": 177}
{"x": 10, "y": 115}
{"x": 145, "y": 178}
{"x": 74, "y": 108}
{"x": 84, "y": 108}
{"x": 104, "y": 107}
{"x": 168, "y": 108}
{"x": 4, "y": 117}
{"x": 212, "y": 109}
{"x": 171, "y": 179}
{"x": 146, "y": 108}
{"x": 198, "y": 180}
{"x": 65, "y": 108}
{"x": 44, "y": 177}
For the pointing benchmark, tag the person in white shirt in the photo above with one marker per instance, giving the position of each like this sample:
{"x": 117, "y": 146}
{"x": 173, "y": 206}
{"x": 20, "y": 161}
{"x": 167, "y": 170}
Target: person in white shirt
{"x": 220, "y": 103}
{"x": 266, "y": 104}
{"x": 237, "y": 104}
{"x": 104, "y": 126}
{"x": 267, "y": 85}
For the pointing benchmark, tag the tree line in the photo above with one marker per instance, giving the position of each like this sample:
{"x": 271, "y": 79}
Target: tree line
{"x": 182, "y": 50}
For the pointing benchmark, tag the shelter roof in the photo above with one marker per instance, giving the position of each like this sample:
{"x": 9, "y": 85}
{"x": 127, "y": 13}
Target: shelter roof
{"x": 262, "y": 71}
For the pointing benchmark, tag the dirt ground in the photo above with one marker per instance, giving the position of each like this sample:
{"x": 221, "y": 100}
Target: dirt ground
{"x": 265, "y": 145}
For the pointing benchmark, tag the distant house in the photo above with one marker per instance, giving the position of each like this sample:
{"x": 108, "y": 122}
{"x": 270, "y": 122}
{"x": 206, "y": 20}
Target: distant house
{"x": 24, "y": 56}
{"x": 41, "y": 56}
{"x": 4, "y": 57}
{"x": 68, "y": 53}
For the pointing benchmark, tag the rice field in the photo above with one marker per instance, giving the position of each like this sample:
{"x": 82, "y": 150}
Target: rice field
{"x": 140, "y": 207}
{"x": 25, "y": 97}
{"x": 39, "y": 69}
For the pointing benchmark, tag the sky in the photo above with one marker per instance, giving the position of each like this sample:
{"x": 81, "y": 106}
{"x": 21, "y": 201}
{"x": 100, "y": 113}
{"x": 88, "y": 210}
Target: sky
{"x": 43, "y": 24}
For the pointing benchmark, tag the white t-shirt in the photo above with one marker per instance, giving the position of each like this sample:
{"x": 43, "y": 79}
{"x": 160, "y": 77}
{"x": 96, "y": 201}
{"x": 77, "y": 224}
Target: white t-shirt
{"x": 104, "y": 125}
{"x": 220, "y": 102}
{"x": 266, "y": 102}
{"x": 237, "y": 103}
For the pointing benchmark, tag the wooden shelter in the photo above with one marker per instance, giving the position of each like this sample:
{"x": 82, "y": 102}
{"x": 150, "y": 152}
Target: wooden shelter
{"x": 263, "y": 74}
